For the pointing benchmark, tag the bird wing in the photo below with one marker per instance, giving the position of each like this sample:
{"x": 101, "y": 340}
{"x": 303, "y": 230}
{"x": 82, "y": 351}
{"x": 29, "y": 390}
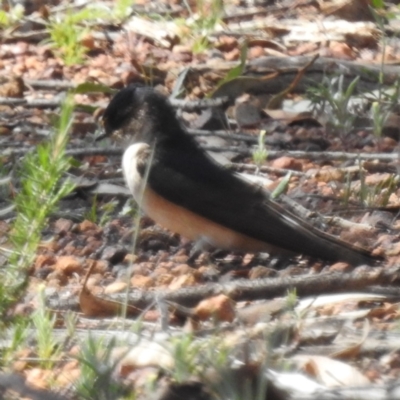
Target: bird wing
{"x": 192, "y": 180}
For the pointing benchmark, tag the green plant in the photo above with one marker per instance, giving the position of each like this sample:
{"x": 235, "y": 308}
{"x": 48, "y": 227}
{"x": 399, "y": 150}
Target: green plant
{"x": 200, "y": 44}
{"x": 97, "y": 370}
{"x": 130, "y": 208}
{"x": 282, "y": 187}
{"x": 194, "y": 357}
{"x": 208, "y": 14}
{"x": 379, "y": 117}
{"x": 370, "y": 195}
{"x": 9, "y": 18}
{"x": 291, "y": 299}
{"x": 17, "y": 334}
{"x": 260, "y": 154}
{"x": 48, "y": 348}
{"x": 200, "y": 23}
{"x": 41, "y": 190}
{"x": 185, "y": 351}
{"x": 379, "y": 194}
{"x": 387, "y": 99}
{"x": 92, "y": 214}
{"x": 382, "y": 107}
{"x": 236, "y": 373}
{"x": 105, "y": 210}
{"x": 122, "y": 9}
{"x": 237, "y": 70}
{"x": 331, "y": 99}
{"x": 67, "y": 31}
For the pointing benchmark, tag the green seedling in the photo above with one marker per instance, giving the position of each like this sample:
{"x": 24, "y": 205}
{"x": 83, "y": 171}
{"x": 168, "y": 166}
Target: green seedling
{"x": 68, "y": 30}
{"x": 260, "y": 154}
{"x": 370, "y": 195}
{"x": 282, "y": 187}
{"x": 11, "y": 17}
{"x": 332, "y": 99}
{"x": 41, "y": 190}
{"x": 122, "y": 9}
{"x": 48, "y": 348}
{"x": 202, "y": 23}
{"x": 97, "y": 371}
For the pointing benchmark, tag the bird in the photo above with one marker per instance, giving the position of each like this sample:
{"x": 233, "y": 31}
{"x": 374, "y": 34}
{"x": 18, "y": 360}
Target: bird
{"x": 178, "y": 185}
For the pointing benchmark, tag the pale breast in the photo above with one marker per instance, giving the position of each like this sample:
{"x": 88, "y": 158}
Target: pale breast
{"x": 179, "y": 219}
{"x": 129, "y": 167}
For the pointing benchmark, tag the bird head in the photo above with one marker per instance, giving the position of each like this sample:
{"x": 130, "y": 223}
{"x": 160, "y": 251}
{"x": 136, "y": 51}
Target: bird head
{"x": 139, "y": 114}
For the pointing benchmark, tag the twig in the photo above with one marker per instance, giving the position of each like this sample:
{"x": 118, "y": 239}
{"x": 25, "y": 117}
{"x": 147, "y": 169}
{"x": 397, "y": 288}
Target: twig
{"x": 346, "y": 224}
{"x": 51, "y": 84}
{"x": 252, "y": 12}
{"x": 33, "y": 36}
{"x": 265, "y": 168}
{"x": 201, "y": 104}
{"x": 90, "y": 151}
{"x": 54, "y": 103}
{"x": 272, "y": 154}
{"x": 334, "y": 155}
{"x": 244, "y": 289}
{"x": 231, "y": 136}
{"x": 276, "y": 101}
{"x": 36, "y": 103}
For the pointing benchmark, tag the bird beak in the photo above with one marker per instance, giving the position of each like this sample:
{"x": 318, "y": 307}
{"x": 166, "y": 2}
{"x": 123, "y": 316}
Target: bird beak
{"x": 101, "y": 132}
{"x": 101, "y": 135}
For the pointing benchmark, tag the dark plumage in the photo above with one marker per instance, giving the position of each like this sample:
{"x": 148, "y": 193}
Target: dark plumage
{"x": 185, "y": 175}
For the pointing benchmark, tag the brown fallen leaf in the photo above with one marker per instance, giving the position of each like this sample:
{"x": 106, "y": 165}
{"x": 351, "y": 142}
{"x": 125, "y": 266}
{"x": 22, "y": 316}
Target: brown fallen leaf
{"x": 68, "y": 265}
{"x": 287, "y": 163}
{"x": 264, "y": 311}
{"x": 330, "y": 372}
{"x": 13, "y": 87}
{"x": 349, "y": 10}
{"x": 226, "y": 43}
{"x": 142, "y": 281}
{"x": 144, "y": 354}
{"x": 220, "y": 307}
{"x": 182, "y": 281}
{"x": 69, "y": 373}
{"x": 353, "y": 350}
{"x": 86, "y": 226}
{"x": 44, "y": 260}
{"x": 93, "y": 306}
{"x": 115, "y": 287}
{"x": 38, "y": 377}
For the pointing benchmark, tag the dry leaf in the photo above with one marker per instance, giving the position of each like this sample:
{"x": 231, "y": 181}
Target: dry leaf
{"x": 182, "y": 281}
{"x": 330, "y": 372}
{"x": 68, "y": 265}
{"x": 115, "y": 287}
{"x": 93, "y": 306}
{"x": 220, "y": 307}
{"x": 145, "y": 354}
{"x": 287, "y": 163}
{"x": 142, "y": 281}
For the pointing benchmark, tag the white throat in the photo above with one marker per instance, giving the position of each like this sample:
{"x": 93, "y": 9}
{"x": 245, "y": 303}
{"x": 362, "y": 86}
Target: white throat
{"x": 129, "y": 168}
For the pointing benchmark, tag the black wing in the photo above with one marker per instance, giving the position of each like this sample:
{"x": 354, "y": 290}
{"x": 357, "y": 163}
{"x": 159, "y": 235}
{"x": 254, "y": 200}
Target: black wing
{"x": 189, "y": 178}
